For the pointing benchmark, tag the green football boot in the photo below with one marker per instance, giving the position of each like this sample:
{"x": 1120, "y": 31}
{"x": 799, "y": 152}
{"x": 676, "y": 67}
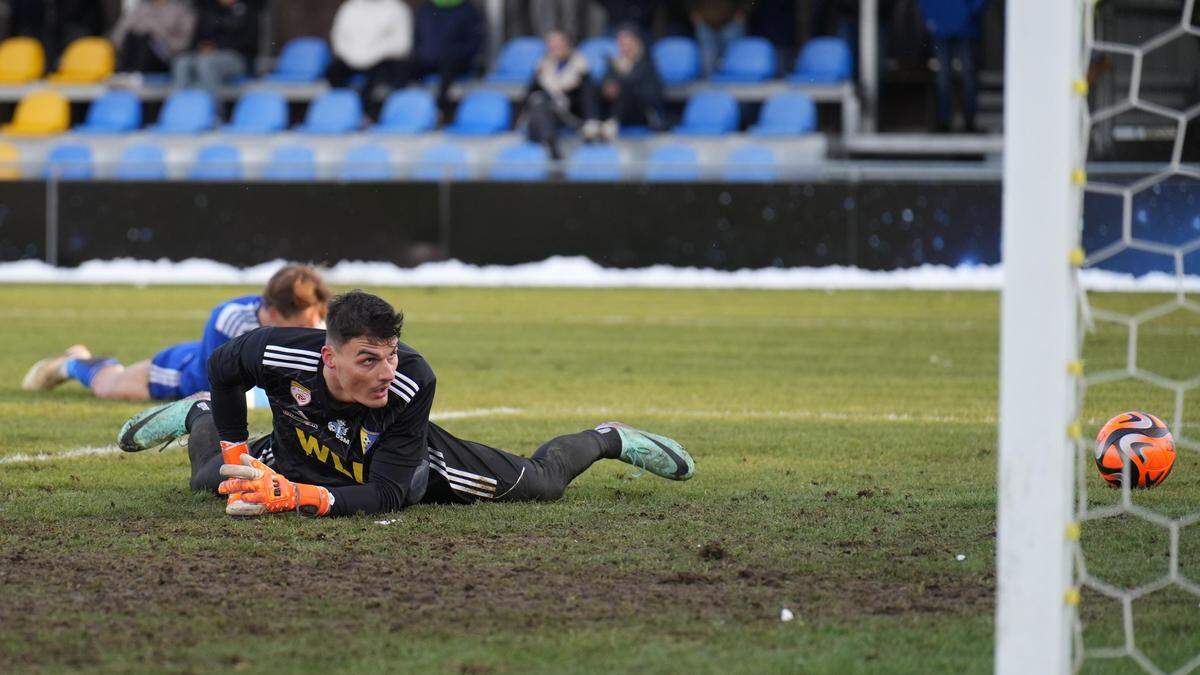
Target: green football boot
{"x": 157, "y": 426}
{"x": 659, "y": 455}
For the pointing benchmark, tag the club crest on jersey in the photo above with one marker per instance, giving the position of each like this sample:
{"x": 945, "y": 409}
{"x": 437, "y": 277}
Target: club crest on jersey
{"x": 301, "y": 393}
{"x": 367, "y": 438}
{"x": 340, "y": 430}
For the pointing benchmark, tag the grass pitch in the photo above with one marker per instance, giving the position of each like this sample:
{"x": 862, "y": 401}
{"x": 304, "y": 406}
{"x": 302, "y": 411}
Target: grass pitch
{"x": 845, "y": 447}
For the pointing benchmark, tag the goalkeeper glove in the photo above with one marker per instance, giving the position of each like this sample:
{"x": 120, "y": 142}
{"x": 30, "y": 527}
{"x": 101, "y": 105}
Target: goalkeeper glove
{"x": 231, "y": 453}
{"x": 259, "y": 489}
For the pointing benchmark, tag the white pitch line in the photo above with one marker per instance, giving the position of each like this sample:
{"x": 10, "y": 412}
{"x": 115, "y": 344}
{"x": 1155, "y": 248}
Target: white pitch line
{"x": 93, "y": 451}
{"x": 880, "y": 416}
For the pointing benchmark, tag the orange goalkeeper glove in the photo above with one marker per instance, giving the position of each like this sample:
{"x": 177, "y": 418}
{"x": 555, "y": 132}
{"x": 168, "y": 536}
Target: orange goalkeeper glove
{"x": 255, "y": 488}
{"x": 231, "y": 453}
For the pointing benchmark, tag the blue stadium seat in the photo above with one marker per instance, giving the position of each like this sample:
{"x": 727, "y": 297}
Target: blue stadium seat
{"x": 709, "y": 113}
{"x": 337, "y": 111}
{"x": 142, "y": 161}
{"x": 70, "y": 161}
{"x": 218, "y": 161}
{"x": 259, "y": 112}
{"x": 411, "y": 111}
{"x": 788, "y": 113}
{"x": 442, "y": 161}
{"x": 517, "y": 61}
{"x": 824, "y": 60}
{"x": 594, "y": 163}
{"x": 291, "y": 163}
{"x": 302, "y": 60}
{"x": 677, "y": 59}
{"x": 751, "y": 163}
{"x": 521, "y": 161}
{"x": 187, "y": 111}
{"x": 749, "y": 59}
{"x": 366, "y": 162}
{"x": 598, "y": 50}
{"x": 116, "y": 112}
{"x": 673, "y": 162}
{"x": 482, "y": 113}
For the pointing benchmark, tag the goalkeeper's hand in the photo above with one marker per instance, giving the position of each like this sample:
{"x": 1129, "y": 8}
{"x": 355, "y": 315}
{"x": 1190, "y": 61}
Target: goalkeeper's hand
{"x": 255, "y": 489}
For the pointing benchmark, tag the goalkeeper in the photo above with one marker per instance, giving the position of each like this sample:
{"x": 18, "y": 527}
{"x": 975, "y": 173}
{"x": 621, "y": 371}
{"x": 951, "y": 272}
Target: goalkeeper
{"x": 352, "y": 432}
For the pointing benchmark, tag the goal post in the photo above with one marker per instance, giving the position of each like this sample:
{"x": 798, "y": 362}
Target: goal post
{"x": 1042, "y": 201}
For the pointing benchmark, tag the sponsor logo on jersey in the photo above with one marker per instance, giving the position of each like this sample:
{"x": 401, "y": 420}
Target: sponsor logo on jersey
{"x": 367, "y": 438}
{"x": 313, "y": 448}
{"x": 341, "y": 430}
{"x": 301, "y": 393}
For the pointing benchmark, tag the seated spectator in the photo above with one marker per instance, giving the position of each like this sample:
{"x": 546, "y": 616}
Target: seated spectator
{"x": 224, "y": 45}
{"x": 631, "y": 93}
{"x": 716, "y": 23}
{"x": 561, "y": 93}
{"x": 539, "y": 17}
{"x": 954, "y": 25}
{"x": 633, "y": 14}
{"x": 153, "y": 33}
{"x": 447, "y": 40}
{"x": 369, "y": 38}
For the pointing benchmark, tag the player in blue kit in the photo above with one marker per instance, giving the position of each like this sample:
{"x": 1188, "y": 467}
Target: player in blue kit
{"x": 295, "y": 297}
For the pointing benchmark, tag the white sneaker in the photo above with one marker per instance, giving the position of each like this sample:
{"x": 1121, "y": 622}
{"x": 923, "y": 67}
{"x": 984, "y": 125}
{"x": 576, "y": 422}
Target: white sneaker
{"x": 609, "y": 130}
{"x": 591, "y": 130}
{"x": 48, "y": 373}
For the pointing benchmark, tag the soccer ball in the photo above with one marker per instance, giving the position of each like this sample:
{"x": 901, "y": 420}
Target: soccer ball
{"x": 1141, "y": 439}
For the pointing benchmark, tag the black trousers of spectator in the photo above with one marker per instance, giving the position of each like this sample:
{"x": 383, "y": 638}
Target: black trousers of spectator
{"x": 631, "y": 108}
{"x": 448, "y": 70}
{"x": 544, "y": 118}
{"x": 385, "y": 73}
{"x": 137, "y": 56}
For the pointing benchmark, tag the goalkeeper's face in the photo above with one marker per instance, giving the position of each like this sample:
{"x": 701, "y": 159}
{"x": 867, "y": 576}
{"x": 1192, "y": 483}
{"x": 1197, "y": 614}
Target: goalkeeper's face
{"x": 360, "y": 370}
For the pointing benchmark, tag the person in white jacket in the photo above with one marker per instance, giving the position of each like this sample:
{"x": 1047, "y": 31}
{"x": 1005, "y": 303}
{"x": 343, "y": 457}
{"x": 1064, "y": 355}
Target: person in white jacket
{"x": 369, "y": 37}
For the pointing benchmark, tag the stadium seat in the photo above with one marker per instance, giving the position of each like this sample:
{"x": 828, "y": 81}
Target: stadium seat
{"x": 365, "y": 163}
{"x": 337, "y": 111}
{"x": 482, "y": 113}
{"x": 187, "y": 111}
{"x": 70, "y": 161}
{"x": 521, "y": 161}
{"x": 677, "y": 59}
{"x": 709, "y": 113}
{"x": 259, "y": 112}
{"x": 673, "y": 162}
{"x": 303, "y": 59}
{"x": 116, "y": 112}
{"x": 440, "y": 162}
{"x": 86, "y": 61}
{"x": 751, "y": 163}
{"x": 40, "y": 113}
{"x": 824, "y": 60}
{"x": 749, "y": 59}
{"x": 142, "y": 161}
{"x": 22, "y": 60}
{"x": 517, "y": 61}
{"x": 10, "y": 161}
{"x": 598, "y": 51}
{"x": 594, "y": 163}
{"x": 291, "y": 163}
{"x": 789, "y": 113}
{"x": 411, "y": 111}
{"x": 217, "y": 162}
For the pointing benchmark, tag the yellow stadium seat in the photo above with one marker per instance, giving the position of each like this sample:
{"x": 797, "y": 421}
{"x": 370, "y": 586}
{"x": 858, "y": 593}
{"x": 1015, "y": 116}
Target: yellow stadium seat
{"x": 10, "y": 161}
{"x": 86, "y": 60}
{"x": 40, "y": 113}
{"x": 21, "y": 60}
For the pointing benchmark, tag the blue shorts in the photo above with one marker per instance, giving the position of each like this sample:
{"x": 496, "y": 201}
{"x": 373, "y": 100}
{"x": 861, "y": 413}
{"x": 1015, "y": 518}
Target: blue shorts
{"x": 176, "y": 372}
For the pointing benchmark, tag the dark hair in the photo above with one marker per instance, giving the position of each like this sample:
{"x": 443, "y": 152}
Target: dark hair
{"x": 360, "y": 314}
{"x": 295, "y": 288}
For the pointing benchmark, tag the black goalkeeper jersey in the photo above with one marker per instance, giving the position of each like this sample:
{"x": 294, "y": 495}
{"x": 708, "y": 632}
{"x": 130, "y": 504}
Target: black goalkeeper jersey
{"x": 371, "y": 459}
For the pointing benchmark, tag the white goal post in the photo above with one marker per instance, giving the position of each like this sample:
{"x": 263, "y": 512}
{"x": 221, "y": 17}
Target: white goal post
{"x": 1043, "y": 152}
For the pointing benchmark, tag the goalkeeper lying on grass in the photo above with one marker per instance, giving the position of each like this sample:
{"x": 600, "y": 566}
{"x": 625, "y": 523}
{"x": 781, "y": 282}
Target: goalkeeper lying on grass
{"x": 352, "y": 432}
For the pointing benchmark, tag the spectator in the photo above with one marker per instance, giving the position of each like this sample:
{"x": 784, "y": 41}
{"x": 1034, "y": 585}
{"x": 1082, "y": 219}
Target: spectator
{"x": 637, "y": 14}
{"x": 954, "y": 26}
{"x": 716, "y": 23}
{"x": 631, "y": 93}
{"x": 540, "y": 17}
{"x": 560, "y": 94}
{"x": 369, "y": 38}
{"x": 153, "y": 33}
{"x": 225, "y": 44}
{"x": 448, "y": 38}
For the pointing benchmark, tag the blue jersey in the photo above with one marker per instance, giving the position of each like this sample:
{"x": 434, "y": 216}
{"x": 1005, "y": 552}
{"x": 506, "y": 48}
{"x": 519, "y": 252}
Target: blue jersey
{"x": 181, "y": 370}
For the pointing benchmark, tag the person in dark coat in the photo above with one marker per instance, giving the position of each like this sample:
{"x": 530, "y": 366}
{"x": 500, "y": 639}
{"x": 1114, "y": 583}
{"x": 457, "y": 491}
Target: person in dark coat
{"x": 446, "y": 41}
{"x": 954, "y": 27}
{"x": 224, "y": 45}
{"x": 631, "y": 93}
{"x": 560, "y": 94}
